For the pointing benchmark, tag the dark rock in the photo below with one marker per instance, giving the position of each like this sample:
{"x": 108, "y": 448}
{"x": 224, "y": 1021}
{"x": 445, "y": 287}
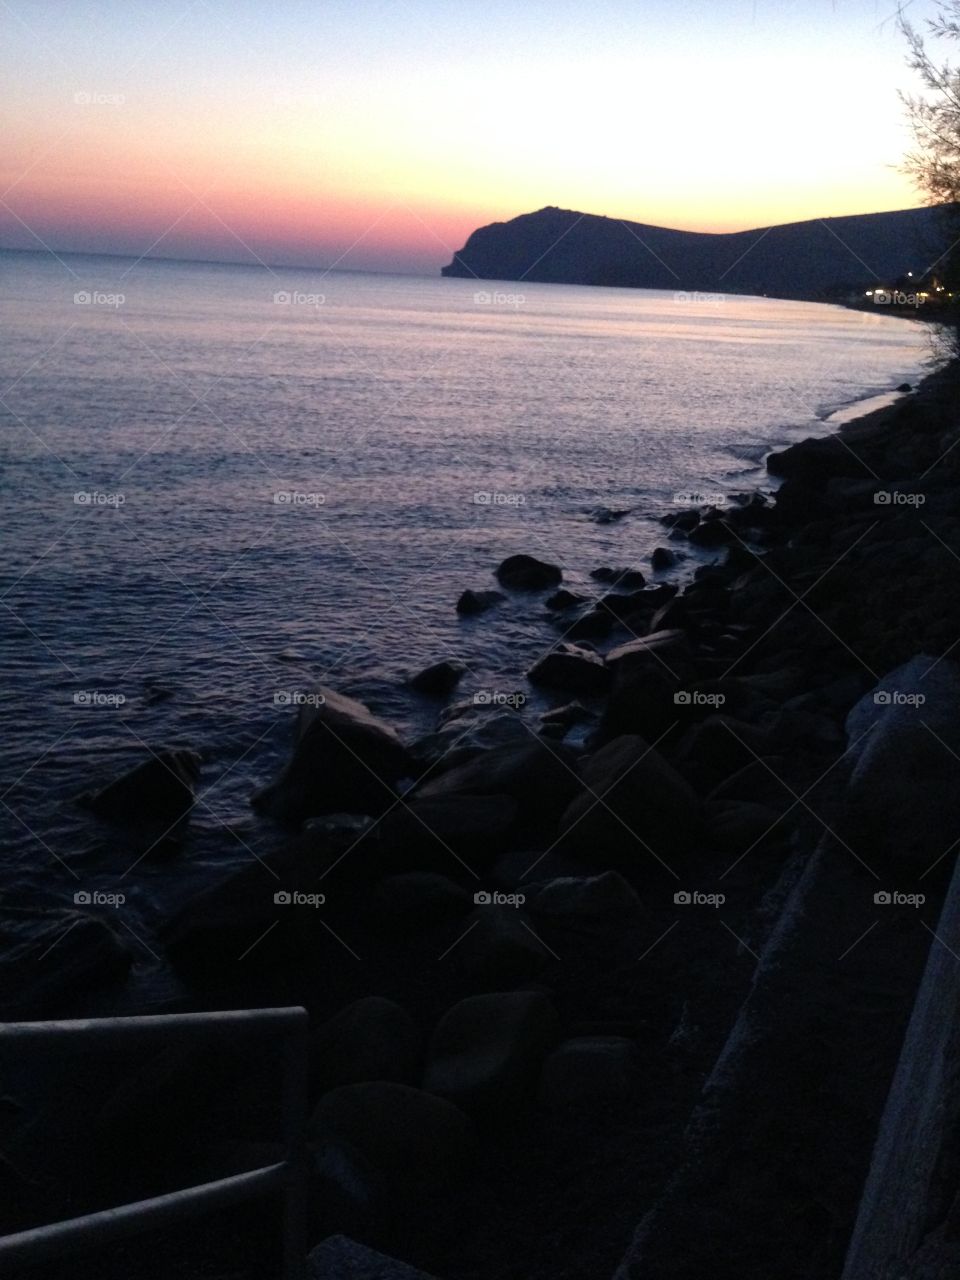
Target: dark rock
{"x": 160, "y": 790}
{"x": 540, "y": 779}
{"x": 663, "y": 558}
{"x": 371, "y": 1039}
{"x": 712, "y": 533}
{"x": 590, "y": 1069}
{"x": 418, "y": 900}
{"x": 641, "y": 701}
{"x": 682, "y": 521}
{"x": 340, "y": 1258}
{"x": 628, "y": 579}
{"x": 595, "y": 625}
{"x": 417, "y": 1145}
{"x": 487, "y": 1050}
{"x": 608, "y": 515}
{"x": 737, "y": 825}
{"x": 572, "y": 668}
{"x": 904, "y": 386}
{"x": 49, "y": 956}
{"x": 816, "y": 460}
{"x": 473, "y": 602}
{"x": 635, "y": 808}
{"x": 563, "y": 599}
{"x": 345, "y": 759}
{"x": 526, "y": 573}
{"x": 569, "y": 714}
{"x": 229, "y": 920}
{"x": 497, "y": 947}
{"x": 439, "y": 829}
{"x": 600, "y": 895}
{"x": 438, "y": 680}
{"x": 659, "y": 649}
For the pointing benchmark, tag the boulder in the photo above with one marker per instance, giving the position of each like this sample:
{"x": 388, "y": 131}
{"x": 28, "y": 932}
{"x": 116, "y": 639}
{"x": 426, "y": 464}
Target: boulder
{"x": 487, "y": 1050}
{"x": 662, "y": 649}
{"x": 432, "y": 830}
{"x": 526, "y": 573}
{"x": 902, "y": 802}
{"x": 626, "y": 579}
{"x": 47, "y": 957}
{"x": 345, "y": 759}
{"x": 569, "y": 714}
{"x": 635, "y": 808}
{"x": 340, "y": 1258}
{"x": 497, "y": 947}
{"x": 438, "y": 680}
{"x": 641, "y": 701}
{"x": 161, "y": 790}
{"x": 572, "y": 668}
{"x": 564, "y": 599}
{"x": 416, "y": 1144}
{"x": 590, "y": 1069}
{"x": 474, "y": 602}
{"x": 229, "y": 920}
{"x": 662, "y": 558}
{"x": 371, "y": 1039}
{"x": 418, "y": 900}
{"x": 605, "y": 894}
{"x": 738, "y": 825}
{"x": 540, "y": 779}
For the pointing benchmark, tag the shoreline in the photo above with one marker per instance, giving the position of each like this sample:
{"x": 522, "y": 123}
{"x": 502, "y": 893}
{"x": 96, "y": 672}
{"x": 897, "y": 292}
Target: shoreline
{"x": 722, "y": 700}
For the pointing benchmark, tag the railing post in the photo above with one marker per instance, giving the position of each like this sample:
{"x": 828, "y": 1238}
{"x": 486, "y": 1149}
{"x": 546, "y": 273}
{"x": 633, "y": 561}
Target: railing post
{"x": 296, "y": 1195}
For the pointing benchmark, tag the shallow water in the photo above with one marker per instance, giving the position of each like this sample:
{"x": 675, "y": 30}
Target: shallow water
{"x": 279, "y": 472}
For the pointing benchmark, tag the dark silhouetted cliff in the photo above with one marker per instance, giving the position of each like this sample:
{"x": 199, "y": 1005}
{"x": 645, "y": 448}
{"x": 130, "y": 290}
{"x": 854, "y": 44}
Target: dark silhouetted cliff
{"x": 818, "y": 259}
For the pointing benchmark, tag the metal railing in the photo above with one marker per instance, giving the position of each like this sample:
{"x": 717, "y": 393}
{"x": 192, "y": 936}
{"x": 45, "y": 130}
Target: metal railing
{"x": 288, "y": 1177}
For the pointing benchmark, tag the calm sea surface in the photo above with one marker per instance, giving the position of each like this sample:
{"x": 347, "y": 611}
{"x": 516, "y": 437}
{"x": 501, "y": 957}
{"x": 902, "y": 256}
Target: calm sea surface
{"x": 277, "y": 475}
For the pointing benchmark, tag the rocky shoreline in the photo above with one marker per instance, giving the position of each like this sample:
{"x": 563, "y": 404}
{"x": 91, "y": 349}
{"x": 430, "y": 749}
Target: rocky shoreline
{"x": 525, "y": 945}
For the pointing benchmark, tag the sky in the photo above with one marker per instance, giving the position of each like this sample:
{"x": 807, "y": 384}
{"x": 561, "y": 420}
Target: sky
{"x": 376, "y": 134}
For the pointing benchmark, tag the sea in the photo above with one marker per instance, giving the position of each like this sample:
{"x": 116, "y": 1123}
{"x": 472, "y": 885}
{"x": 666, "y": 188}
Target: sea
{"x": 223, "y": 485}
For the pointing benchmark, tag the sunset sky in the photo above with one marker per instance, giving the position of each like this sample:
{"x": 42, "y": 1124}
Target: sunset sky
{"x": 376, "y": 135}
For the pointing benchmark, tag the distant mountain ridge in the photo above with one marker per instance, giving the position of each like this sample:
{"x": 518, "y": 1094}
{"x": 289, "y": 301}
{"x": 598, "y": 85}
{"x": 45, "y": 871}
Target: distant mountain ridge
{"x": 818, "y": 259}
